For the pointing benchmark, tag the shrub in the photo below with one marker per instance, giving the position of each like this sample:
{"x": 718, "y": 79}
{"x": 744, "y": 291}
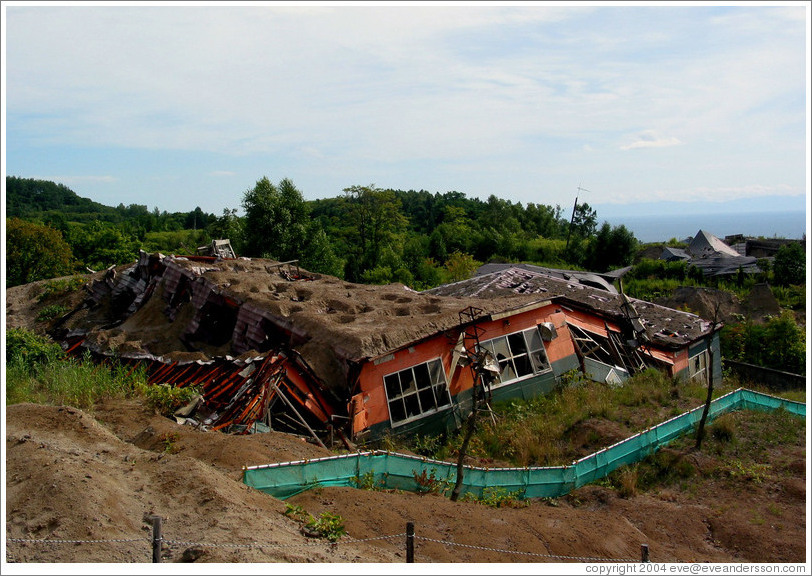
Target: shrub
{"x": 327, "y": 525}
{"x": 30, "y": 349}
{"x": 627, "y": 481}
{"x": 429, "y": 483}
{"x": 166, "y": 398}
{"x": 367, "y": 481}
{"x": 723, "y": 428}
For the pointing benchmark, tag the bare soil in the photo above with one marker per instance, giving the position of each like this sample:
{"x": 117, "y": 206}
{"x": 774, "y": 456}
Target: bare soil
{"x": 73, "y": 475}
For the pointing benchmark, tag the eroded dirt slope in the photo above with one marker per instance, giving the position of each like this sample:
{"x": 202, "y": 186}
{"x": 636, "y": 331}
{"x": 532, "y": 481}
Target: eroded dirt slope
{"x": 73, "y": 475}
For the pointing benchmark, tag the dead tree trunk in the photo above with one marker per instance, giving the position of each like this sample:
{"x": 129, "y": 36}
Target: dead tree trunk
{"x": 470, "y": 428}
{"x": 700, "y": 432}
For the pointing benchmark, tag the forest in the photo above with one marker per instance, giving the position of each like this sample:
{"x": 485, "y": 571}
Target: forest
{"x": 378, "y": 236}
{"x": 366, "y": 234}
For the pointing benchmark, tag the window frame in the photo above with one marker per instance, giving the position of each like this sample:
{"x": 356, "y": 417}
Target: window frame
{"x": 701, "y": 373}
{"x": 418, "y": 393}
{"x": 525, "y": 355}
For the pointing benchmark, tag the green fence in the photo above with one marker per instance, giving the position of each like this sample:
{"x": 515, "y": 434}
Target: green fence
{"x": 391, "y": 470}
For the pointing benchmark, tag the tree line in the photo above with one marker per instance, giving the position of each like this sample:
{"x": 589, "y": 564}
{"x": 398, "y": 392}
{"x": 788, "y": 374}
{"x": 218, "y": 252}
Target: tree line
{"x": 366, "y": 234}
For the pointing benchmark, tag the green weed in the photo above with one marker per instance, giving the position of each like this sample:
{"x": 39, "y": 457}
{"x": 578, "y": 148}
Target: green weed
{"x": 327, "y": 525}
{"x": 165, "y": 398}
{"x": 497, "y": 497}
{"x": 60, "y": 287}
{"x": 50, "y": 312}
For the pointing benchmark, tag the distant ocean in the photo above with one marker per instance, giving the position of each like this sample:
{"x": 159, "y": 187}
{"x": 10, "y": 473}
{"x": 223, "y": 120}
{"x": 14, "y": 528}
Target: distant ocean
{"x": 661, "y": 228}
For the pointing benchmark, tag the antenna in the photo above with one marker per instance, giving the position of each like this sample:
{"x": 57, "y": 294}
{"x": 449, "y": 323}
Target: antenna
{"x": 574, "y": 209}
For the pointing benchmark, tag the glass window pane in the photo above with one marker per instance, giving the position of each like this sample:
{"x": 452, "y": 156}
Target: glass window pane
{"x": 508, "y": 371}
{"x": 441, "y": 394}
{"x": 488, "y": 345}
{"x": 412, "y": 405}
{"x": 436, "y": 370}
{"x": 392, "y": 383}
{"x": 407, "y": 382}
{"x": 517, "y": 344}
{"x": 421, "y": 373}
{"x": 500, "y": 348}
{"x": 539, "y": 358}
{"x": 427, "y": 399}
{"x": 534, "y": 339}
{"x": 523, "y": 366}
{"x": 396, "y": 410}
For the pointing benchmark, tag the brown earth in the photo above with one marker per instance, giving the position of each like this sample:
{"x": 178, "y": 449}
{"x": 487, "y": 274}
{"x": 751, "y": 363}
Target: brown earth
{"x": 707, "y": 302}
{"x": 101, "y": 475}
{"x": 72, "y": 475}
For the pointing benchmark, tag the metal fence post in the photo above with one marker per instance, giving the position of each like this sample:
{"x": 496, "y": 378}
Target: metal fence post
{"x": 410, "y": 542}
{"x": 157, "y": 539}
{"x": 644, "y": 552}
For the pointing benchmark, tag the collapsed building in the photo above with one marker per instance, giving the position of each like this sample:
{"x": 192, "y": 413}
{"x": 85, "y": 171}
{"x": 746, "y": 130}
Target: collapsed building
{"x": 272, "y": 346}
{"x": 712, "y": 256}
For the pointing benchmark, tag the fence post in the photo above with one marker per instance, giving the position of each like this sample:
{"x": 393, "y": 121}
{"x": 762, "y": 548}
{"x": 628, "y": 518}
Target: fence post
{"x": 157, "y": 539}
{"x": 409, "y": 542}
{"x": 644, "y": 552}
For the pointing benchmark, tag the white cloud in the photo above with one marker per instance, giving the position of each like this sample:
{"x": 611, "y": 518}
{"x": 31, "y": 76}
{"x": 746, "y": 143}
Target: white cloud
{"x": 650, "y": 139}
{"x": 474, "y": 90}
{"x": 73, "y": 180}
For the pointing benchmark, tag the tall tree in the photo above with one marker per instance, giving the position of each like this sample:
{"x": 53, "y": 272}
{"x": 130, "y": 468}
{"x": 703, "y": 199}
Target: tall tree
{"x": 34, "y": 252}
{"x": 789, "y": 266}
{"x": 612, "y": 247}
{"x": 276, "y": 220}
{"x": 376, "y": 220}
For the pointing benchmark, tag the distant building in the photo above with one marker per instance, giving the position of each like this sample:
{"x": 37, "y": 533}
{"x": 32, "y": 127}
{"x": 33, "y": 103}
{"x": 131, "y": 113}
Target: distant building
{"x": 712, "y": 256}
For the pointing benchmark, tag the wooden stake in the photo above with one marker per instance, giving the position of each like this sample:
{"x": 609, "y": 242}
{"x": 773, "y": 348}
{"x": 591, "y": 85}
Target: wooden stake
{"x": 410, "y": 542}
{"x": 157, "y": 540}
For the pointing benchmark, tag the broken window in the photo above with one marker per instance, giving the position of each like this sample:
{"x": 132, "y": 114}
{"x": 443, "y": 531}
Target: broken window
{"x": 698, "y": 366}
{"x": 519, "y": 354}
{"x": 416, "y": 391}
{"x": 593, "y": 345}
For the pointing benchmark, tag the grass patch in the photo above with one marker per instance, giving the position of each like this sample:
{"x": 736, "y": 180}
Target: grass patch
{"x": 50, "y": 312}
{"x": 538, "y": 432}
{"x": 60, "y": 287}
{"x": 68, "y": 382}
{"x": 37, "y": 371}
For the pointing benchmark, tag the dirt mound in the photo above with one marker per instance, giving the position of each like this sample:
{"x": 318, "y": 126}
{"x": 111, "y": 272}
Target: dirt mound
{"x": 704, "y": 302}
{"x": 762, "y": 303}
{"x": 70, "y": 478}
{"x": 72, "y": 475}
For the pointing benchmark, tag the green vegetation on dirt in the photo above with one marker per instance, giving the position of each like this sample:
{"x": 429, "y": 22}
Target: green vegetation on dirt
{"x": 39, "y": 372}
{"x": 577, "y": 419}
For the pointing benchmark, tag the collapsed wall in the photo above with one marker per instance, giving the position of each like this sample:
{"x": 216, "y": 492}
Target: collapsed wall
{"x": 183, "y": 330}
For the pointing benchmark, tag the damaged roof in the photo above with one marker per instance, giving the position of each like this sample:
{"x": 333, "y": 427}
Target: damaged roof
{"x": 665, "y": 327}
{"x": 196, "y": 308}
{"x": 598, "y": 280}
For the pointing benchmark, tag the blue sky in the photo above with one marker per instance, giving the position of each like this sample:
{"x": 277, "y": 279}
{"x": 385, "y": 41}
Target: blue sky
{"x": 651, "y": 108}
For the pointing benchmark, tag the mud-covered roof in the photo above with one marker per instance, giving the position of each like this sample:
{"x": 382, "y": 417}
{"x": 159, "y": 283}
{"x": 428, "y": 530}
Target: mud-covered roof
{"x": 664, "y": 326}
{"x": 194, "y": 308}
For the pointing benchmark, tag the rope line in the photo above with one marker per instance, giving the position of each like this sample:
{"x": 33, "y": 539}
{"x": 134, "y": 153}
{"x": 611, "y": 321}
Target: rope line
{"x": 51, "y": 541}
{"x": 306, "y": 543}
{"x": 583, "y": 558}
{"x": 314, "y": 543}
